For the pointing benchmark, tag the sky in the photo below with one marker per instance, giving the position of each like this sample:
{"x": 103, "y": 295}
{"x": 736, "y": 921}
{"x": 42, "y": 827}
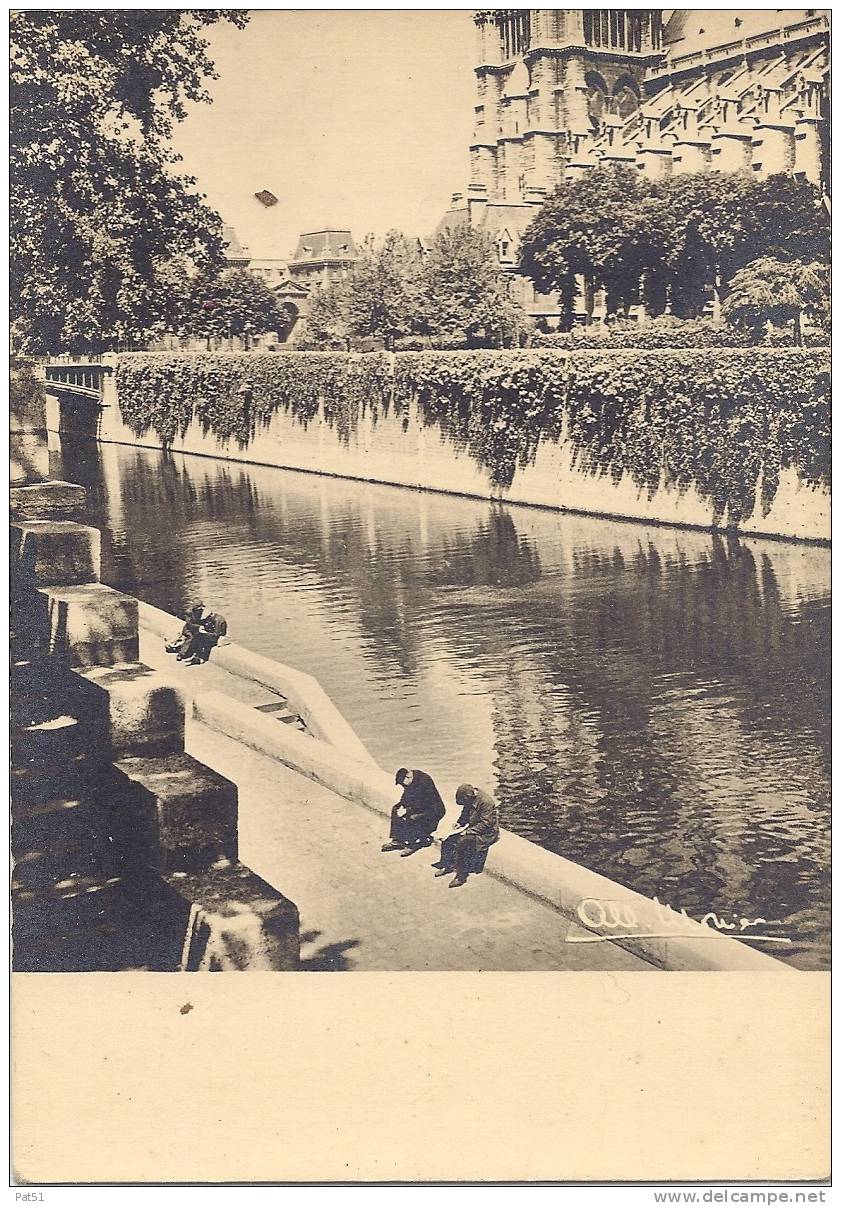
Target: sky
{"x": 353, "y": 119}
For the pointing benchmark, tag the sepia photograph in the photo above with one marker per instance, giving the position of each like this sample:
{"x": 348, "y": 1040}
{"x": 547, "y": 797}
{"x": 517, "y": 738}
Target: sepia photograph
{"x": 420, "y": 534}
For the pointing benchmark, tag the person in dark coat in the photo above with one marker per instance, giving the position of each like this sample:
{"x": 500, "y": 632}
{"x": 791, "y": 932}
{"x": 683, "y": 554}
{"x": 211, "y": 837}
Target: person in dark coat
{"x": 213, "y": 627}
{"x": 476, "y": 830}
{"x": 182, "y": 645}
{"x": 416, "y": 815}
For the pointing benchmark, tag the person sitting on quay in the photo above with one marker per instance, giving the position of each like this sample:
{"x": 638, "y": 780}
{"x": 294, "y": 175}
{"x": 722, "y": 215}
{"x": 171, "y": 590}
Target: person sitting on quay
{"x": 416, "y": 815}
{"x": 182, "y": 645}
{"x": 465, "y": 849}
{"x": 213, "y": 628}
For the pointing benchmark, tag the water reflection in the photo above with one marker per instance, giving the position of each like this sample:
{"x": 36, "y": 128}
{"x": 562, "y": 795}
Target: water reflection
{"x": 649, "y": 702}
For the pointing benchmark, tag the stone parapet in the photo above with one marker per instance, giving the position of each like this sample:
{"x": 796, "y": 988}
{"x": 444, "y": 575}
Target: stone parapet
{"x": 130, "y": 710}
{"x": 232, "y": 920}
{"x": 29, "y": 457}
{"x": 48, "y": 500}
{"x": 53, "y": 552}
{"x": 662, "y": 937}
{"x": 87, "y": 625}
{"x": 304, "y": 693}
{"x": 172, "y": 813}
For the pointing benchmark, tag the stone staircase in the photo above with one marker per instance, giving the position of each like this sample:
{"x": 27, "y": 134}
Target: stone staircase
{"x": 124, "y": 846}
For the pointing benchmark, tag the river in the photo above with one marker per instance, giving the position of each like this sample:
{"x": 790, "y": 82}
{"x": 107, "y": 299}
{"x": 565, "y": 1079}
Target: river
{"x": 650, "y": 702}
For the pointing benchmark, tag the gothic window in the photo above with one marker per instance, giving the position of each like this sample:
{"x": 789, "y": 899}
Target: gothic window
{"x": 625, "y": 98}
{"x": 635, "y": 19}
{"x": 617, "y": 28}
{"x": 596, "y": 98}
{"x": 505, "y": 244}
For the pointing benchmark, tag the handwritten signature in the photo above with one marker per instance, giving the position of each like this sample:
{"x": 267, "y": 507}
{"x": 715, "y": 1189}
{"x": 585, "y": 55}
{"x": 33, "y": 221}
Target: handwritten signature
{"x": 621, "y": 920}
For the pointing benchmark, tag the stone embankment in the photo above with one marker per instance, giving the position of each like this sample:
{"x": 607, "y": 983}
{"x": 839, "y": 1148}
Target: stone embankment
{"x": 332, "y": 775}
{"x": 124, "y": 845}
{"x": 403, "y": 450}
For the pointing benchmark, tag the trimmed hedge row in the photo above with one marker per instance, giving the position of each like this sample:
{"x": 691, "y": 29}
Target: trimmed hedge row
{"x": 720, "y": 421}
{"x": 664, "y": 334}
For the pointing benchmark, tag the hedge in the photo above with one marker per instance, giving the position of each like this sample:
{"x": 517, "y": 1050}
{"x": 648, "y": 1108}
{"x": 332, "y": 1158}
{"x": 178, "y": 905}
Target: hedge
{"x": 660, "y": 334}
{"x": 717, "y": 420}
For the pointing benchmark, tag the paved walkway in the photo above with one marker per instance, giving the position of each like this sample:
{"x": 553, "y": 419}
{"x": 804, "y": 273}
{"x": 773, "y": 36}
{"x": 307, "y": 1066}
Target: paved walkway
{"x": 364, "y": 910}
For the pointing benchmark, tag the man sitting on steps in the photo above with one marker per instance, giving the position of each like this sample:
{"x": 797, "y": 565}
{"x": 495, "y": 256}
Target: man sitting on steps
{"x": 417, "y": 814}
{"x": 213, "y": 627}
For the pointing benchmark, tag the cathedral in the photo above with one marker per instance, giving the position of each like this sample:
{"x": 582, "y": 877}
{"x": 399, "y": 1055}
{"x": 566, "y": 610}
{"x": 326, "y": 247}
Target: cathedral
{"x": 560, "y": 91}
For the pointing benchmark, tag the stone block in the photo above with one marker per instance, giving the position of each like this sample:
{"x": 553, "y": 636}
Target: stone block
{"x": 231, "y": 920}
{"x": 48, "y": 500}
{"x": 172, "y": 813}
{"x": 74, "y": 817}
{"x": 29, "y": 457}
{"x": 89, "y": 625}
{"x": 53, "y": 552}
{"x": 129, "y": 709}
{"x": 47, "y": 783}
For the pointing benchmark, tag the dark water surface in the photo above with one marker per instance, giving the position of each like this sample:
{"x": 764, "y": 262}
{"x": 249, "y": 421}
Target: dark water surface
{"x": 652, "y": 703}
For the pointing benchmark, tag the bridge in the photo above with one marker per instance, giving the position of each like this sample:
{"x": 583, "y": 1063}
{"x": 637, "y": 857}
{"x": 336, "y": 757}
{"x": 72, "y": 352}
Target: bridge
{"x": 85, "y": 379}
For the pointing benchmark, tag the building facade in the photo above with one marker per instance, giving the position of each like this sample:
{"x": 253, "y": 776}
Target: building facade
{"x": 559, "y": 92}
{"x": 320, "y": 258}
{"x": 323, "y": 256}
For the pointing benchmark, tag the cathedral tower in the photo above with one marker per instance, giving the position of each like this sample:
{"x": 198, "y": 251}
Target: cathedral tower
{"x": 547, "y": 80}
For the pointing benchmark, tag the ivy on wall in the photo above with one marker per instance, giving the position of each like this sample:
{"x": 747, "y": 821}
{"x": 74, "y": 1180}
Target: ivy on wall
{"x": 725, "y": 422}
{"x": 230, "y": 393}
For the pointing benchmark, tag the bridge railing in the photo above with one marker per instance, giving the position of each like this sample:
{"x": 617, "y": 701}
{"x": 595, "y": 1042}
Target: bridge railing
{"x": 86, "y": 379}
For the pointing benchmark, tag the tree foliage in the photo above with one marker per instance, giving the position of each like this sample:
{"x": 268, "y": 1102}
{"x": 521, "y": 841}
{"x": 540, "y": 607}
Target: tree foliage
{"x": 453, "y": 289}
{"x": 101, "y": 219}
{"x": 463, "y": 291}
{"x": 382, "y": 297}
{"x": 671, "y": 241}
{"x": 235, "y": 302}
{"x": 779, "y": 292}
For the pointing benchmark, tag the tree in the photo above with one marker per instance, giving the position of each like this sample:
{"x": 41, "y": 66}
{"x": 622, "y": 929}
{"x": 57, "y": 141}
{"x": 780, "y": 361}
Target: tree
{"x": 461, "y": 289}
{"x": 725, "y": 220}
{"x": 779, "y": 292}
{"x": 609, "y": 228}
{"x": 99, "y": 213}
{"x": 235, "y": 302}
{"x": 674, "y": 241}
{"x": 327, "y": 323}
{"x": 382, "y": 297}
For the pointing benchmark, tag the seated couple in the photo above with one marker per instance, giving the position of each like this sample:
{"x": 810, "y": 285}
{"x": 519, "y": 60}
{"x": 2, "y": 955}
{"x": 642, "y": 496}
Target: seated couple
{"x": 418, "y": 813}
{"x": 201, "y": 632}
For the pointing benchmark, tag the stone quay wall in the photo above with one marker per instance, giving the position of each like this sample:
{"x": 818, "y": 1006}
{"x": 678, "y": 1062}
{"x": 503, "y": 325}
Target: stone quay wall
{"x": 401, "y": 450}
